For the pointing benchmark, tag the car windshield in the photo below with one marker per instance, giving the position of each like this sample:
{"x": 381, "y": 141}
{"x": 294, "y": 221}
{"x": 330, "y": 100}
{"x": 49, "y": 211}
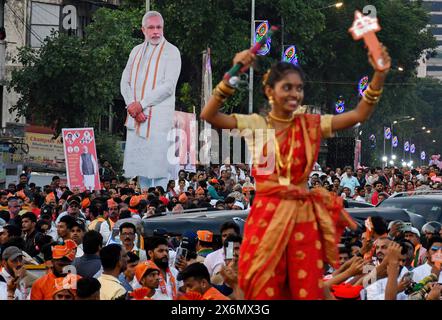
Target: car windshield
{"x": 430, "y": 211}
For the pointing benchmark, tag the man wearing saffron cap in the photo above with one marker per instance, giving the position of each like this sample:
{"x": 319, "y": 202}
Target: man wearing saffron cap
{"x": 148, "y": 87}
{"x": 148, "y": 276}
{"x": 65, "y": 288}
{"x": 204, "y": 245}
{"x": 62, "y": 258}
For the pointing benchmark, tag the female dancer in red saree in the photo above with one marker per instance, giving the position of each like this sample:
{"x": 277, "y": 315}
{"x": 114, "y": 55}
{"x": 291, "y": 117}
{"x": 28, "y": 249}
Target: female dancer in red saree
{"x": 291, "y": 231}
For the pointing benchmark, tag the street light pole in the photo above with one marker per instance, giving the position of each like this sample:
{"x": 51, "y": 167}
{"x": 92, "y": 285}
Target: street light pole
{"x": 147, "y": 5}
{"x": 252, "y": 35}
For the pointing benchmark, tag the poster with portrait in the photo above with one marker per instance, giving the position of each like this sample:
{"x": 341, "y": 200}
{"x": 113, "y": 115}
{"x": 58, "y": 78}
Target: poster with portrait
{"x": 81, "y": 159}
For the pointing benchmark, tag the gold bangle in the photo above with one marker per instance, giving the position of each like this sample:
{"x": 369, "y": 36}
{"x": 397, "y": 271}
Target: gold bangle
{"x": 370, "y": 97}
{"x": 219, "y": 92}
{"x": 369, "y": 101}
{"x": 226, "y": 88}
{"x": 373, "y": 91}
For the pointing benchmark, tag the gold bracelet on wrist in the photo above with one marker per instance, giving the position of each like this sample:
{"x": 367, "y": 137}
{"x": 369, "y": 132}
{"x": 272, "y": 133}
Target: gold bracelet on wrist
{"x": 224, "y": 87}
{"x": 370, "y": 101}
{"x": 373, "y": 91}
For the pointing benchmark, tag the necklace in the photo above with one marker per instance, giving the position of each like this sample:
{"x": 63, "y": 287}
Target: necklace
{"x": 285, "y": 120}
{"x": 280, "y": 166}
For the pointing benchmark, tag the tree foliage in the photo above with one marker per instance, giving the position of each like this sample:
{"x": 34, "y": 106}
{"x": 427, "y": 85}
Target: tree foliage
{"x": 72, "y": 81}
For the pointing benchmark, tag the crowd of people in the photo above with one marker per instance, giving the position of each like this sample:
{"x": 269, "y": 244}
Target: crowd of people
{"x": 373, "y": 185}
{"x": 61, "y": 244}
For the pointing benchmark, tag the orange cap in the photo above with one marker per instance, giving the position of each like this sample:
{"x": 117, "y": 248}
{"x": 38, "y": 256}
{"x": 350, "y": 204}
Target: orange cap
{"x": 134, "y": 201}
{"x": 66, "y": 283}
{"x": 85, "y": 203}
{"x": 205, "y": 235}
{"x": 68, "y": 250}
{"x": 182, "y": 198}
{"x": 111, "y": 203}
{"x": 142, "y": 267}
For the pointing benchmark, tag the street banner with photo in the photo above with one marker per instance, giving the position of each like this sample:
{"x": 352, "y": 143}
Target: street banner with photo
{"x": 81, "y": 159}
{"x": 45, "y": 152}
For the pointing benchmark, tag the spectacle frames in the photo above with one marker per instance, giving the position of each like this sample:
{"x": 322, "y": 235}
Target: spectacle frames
{"x": 435, "y": 248}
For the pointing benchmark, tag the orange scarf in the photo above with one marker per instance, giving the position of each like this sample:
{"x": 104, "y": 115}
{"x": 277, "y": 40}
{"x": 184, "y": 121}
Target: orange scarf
{"x": 163, "y": 287}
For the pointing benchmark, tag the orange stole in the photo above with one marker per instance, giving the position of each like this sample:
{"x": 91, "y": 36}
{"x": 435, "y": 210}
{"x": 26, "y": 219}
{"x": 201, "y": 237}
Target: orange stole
{"x": 291, "y": 231}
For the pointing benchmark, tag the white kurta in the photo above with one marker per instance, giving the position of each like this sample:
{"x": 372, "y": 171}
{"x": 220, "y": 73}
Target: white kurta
{"x": 150, "y": 77}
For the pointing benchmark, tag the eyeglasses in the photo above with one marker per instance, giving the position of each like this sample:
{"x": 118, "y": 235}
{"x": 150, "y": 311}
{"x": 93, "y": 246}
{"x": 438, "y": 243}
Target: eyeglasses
{"x": 124, "y": 234}
{"x": 435, "y": 248}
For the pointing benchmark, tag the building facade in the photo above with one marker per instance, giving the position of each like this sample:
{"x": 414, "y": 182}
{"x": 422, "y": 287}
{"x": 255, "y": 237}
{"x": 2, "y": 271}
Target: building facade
{"x": 432, "y": 67}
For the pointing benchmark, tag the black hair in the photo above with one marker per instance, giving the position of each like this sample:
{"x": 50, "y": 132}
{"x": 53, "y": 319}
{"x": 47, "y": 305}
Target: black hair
{"x": 5, "y": 215}
{"x": 87, "y": 286}
{"x": 151, "y": 190}
{"x": 155, "y": 241}
{"x": 110, "y": 256}
{"x": 41, "y": 240}
{"x": 41, "y": 223}
{"x": 232, "y": 238}
{"x": 97, "y": 208}
{"x": 92, "y": 242}
{"x": 161, "y": 190}
{"x": 132, "y": 257}
{"x": 128, "y": 225}
{"x": 280, "y": 70}
{"x": 55, "y": 178}
{"x": 24, "y": 175}
{"x": 46, "y": 249}
{"x": 344, "y": 249}
{"x": 70, "y": 221}
{"x": 30, "y": 216}
{"x": 230, "y": 225}
{"x": 378, "y": 182}
{"x": 13, "y": 230}
{"x": 15, "y": 242}
{"x": 405, "y": 246}
{"x": 229, "y": 200}
{"x": 195, "y": 270}
{"x": 379, "y": 225}
{"x": 124, "y": 214}
{"x": 433, "y": 240}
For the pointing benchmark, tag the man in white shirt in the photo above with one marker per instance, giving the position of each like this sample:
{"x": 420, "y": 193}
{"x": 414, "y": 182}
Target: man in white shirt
{"x": 434, "y": 246}
{"x": 148, "y": 87}
{"x": 216, "y": 260}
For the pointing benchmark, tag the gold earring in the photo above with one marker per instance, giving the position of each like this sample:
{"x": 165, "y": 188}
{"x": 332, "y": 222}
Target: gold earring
{"x": 271, "y": 101}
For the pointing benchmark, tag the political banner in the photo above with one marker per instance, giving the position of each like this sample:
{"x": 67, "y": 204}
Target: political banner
{"x": 81, "y": 159}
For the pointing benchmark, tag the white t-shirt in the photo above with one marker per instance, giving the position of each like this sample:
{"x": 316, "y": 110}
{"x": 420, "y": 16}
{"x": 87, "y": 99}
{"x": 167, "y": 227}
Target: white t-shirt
{"x": 169, "y": 296}
{"x": 423, "y": 271}
{"x": 215, "y": 261}
{"x": 376, "y": 291}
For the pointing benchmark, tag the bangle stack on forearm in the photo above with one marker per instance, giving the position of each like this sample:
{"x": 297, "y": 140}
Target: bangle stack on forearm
{"x": 223, "y": 91}
{"x": 372, "y": 96}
